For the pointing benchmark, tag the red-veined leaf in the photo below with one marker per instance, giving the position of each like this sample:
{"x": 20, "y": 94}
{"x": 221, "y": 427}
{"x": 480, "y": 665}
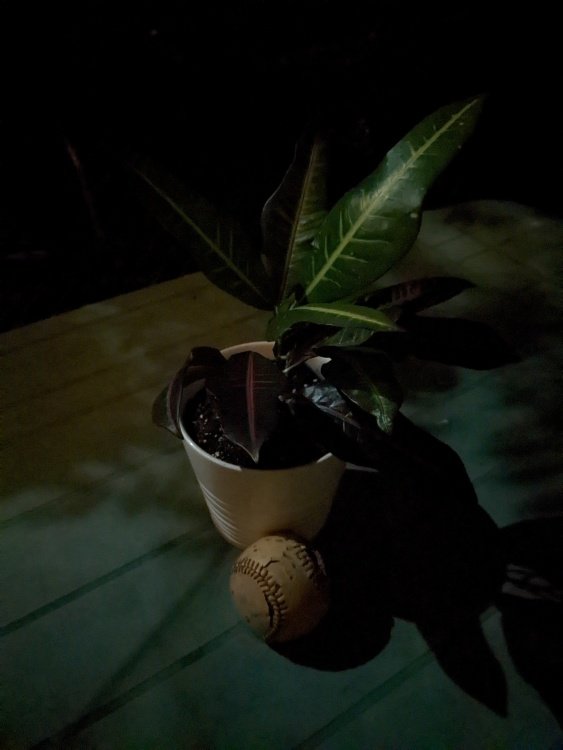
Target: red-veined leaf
{"x": 247, "y": 390}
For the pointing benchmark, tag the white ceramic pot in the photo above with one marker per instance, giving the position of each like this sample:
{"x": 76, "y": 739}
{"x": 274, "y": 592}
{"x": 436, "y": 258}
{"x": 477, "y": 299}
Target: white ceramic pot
{"x": 247, "y": 504}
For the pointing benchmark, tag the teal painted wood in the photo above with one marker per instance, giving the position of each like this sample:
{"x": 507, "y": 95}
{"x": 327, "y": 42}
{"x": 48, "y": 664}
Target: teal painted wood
{"x": 117, "y": 626}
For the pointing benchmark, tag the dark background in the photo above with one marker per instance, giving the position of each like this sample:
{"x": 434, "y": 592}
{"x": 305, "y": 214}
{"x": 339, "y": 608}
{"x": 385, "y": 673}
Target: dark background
{"x": 219, "y": 92}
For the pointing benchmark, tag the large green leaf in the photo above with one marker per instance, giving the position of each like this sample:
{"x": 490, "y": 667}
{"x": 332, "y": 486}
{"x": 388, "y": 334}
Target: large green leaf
{"x": 365, "y": 377}
{"x": 220, "y": 246}
{"x": 293, "y": 214}
{"x": 373, "y": 225}
{"x": 330, "y": 314}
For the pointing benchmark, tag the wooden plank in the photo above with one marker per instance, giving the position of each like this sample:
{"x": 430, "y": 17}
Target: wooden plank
{"x": 153, "y": 368}
{"x": 65, "y": 545}
{"x": 440, "y": 715}
{"x": 119, "y": 630}
{"x": 49, "y": 363}
{"x": 162, "y": 635}
{"x": 94, "y": 646}
{"x": 78, "y": 452}
{"x": 59, "y": 324}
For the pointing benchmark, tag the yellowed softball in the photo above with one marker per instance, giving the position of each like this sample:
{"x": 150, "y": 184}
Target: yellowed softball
{"x": 280, "y": 587}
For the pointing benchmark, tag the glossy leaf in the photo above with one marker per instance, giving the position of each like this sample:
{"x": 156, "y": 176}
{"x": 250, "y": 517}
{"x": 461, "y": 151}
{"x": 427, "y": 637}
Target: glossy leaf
{"x": 220, "y": 246}
{"x": 416, "y": 295}
{"x": 373, "y": 225}
{"x": 201, "y": 362}
{"x": 321, "y": 410}
{"x": 352, "y": 436}
{"x": 366, "y": 378}
{"x": 247, "y": 390}
{"x": 331, "y": 314}
{"x": 293, "y": 214}
{"x": 326, "y": 397}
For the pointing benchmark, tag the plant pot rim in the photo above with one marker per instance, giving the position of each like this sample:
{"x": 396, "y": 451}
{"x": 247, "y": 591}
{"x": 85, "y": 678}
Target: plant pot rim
{"x": 225, "y": 464}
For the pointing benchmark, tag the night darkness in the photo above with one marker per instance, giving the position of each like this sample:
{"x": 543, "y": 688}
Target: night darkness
{"x": 219, "y": 94}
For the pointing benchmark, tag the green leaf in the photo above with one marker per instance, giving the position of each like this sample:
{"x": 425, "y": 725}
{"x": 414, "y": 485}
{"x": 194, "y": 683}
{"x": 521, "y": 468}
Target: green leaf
{"x": 219, "y": 244}
{"x": 331, "y": 314}
{"x": 200, "y": 364}
{"x": 347, "y": 336}
{"x": 301, "y": 341}
{"x": 293, "y": 214}
{"x": 372, "y": 226}
{"x": 365, "y": 377}
{"x": 247, "y": 390}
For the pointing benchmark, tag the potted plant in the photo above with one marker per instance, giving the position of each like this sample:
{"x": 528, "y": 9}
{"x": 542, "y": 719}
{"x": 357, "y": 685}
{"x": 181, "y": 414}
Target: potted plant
{"x": 268, "y": 425}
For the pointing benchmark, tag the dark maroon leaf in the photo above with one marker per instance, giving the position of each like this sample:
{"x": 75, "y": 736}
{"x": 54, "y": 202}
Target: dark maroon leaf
{"x": 410, "y": 297}
{"x": 201, "y": 362}
{"x": 247, "y": 390}
{"x": 322, "y": 411}
{"x": 326, "y": 397}
{"x": 367, "y": 379}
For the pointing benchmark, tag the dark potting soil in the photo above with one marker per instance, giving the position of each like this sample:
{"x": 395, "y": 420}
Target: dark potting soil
{"x": 286, "y": 447}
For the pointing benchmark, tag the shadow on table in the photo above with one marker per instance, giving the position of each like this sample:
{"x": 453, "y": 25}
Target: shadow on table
{"x": 413, "y": 548}
{"x": 531, "y": 602}
{"x": 439, "y": 561}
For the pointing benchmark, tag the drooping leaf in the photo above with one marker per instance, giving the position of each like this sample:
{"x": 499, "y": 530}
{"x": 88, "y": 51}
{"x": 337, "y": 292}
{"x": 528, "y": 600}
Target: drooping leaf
{"x": 413, "y": 296}
{"x": 201, "y": 362}
{"x": 293, "y": 214}
{"x": 454, "y": 341}
{"x": 325, "y": 398}
{"x": 353, "y": 435}
{"x": 365, "y": 377}
{"x": 320, "y": 410}
{"x": 219, "y": 244}
{"x": 247, "y": 391}
{"x": 331, "y": 314}
{"x": 350, "y": 434}
{"x": 373, "y": 225}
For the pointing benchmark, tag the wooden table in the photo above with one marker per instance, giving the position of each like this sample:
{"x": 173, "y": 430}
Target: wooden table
{"x": 117, "y": 626}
